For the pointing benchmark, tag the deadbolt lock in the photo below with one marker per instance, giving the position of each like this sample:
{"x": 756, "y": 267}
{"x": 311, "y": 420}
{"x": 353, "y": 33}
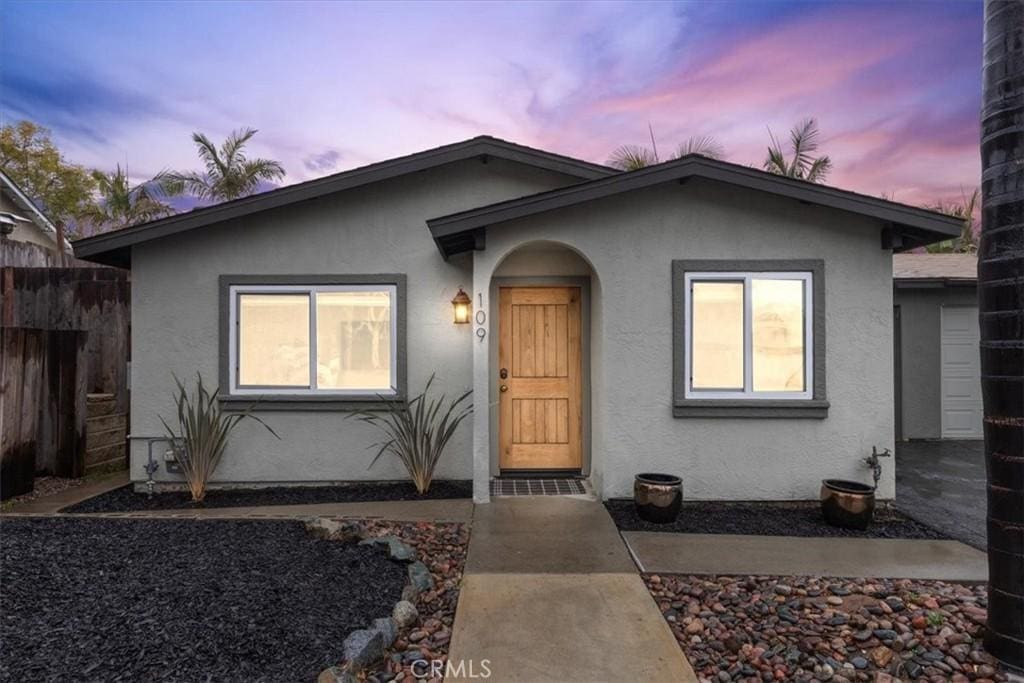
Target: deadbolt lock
{"x": 503, "y": 373}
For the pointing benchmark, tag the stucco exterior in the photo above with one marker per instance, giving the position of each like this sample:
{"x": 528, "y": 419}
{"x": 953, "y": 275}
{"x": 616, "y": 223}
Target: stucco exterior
{"x": 629, "y": 243}
{"x": 620, "y": 247}
{"x": 920, "y": 313}
{"x": 376, "y": 229}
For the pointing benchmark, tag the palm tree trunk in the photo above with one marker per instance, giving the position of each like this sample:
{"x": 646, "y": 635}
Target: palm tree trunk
{"x": 1001, "y": 316}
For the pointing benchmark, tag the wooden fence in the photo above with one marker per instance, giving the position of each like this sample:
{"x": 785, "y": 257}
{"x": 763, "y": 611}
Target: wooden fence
{"x": 42, "y": 407}
{"x": 28, "y": 255}
{"x": 65, "y": 335}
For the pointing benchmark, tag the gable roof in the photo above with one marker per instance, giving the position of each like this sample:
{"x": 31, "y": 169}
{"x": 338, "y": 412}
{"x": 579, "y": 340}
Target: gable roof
{"x": 35, "y": 215}
{"x": 907, "y": 226}
{"x": 935, "y": 268}
{"x": 114, "y": 248}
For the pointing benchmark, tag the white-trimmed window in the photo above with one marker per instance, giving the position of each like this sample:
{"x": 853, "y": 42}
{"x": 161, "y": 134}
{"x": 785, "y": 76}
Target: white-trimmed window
{"x": 316, "y": 340}
{"x": 748, "y": 335}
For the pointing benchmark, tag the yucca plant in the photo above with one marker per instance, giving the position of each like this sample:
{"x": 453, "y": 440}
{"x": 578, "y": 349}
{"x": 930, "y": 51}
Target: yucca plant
{"x": 203, "y": 431}
{"x": 417, "y": 431}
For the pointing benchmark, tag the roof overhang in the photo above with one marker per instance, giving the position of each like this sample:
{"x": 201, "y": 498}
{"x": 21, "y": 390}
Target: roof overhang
{"x": 114, "y": 248}
{"x": 904, "y": 226}
{"x": 933, "y": 282}
{"x": 22, "y": 200}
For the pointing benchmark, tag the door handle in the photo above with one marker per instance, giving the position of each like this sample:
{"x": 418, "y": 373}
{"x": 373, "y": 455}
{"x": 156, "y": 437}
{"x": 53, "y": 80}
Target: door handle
{"x": 503, "y": 388}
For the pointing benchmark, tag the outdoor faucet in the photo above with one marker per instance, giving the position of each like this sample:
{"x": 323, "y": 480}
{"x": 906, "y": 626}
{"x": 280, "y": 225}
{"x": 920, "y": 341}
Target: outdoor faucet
{"x": 872, "y": 462}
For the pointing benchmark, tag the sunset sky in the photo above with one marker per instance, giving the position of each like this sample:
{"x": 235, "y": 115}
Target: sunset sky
{"x": 895, "y": 86}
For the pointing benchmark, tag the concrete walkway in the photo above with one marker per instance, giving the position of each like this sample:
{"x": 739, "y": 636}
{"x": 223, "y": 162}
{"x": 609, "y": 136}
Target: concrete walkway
{"x": 48, "y": 505}
{"x": 846, "y": 557}
{"x": 550, "y": 594}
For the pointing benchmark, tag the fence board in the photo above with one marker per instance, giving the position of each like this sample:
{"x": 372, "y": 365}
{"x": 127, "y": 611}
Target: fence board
{"x": 92, "y": 299}
{"x": 66, "y": 334}
{"x": 20, "y": 387}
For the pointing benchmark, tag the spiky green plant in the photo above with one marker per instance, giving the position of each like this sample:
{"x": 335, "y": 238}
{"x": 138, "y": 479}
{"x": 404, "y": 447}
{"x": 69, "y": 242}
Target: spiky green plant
{"x": 203, "y": 431}
{"x": 417, "y": 431}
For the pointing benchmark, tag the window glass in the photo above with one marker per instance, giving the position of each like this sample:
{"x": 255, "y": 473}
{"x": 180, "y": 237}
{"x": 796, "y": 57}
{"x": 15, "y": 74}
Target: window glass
{"x": 353, "y": 338}
{"x": 717, "y": 342}
{"x": 273, "y": 340}
{"x": 777, "y": 334}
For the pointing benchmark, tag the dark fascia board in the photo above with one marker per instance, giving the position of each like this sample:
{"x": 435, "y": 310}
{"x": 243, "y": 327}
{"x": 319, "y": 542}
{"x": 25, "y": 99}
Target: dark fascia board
{"x": 113, "y": 248}
{"x": 933, "y": 282}
{"x": 924, "y": 224}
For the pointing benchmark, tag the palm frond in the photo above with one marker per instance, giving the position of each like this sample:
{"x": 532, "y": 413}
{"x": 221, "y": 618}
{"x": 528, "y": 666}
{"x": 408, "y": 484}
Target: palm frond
{"x": 819, "y": 170}
{"x": 631, "y": 158}
{"x": 803, "y": 139}
{"x": 704, "y": 145}
{"x": 229, "y": 173}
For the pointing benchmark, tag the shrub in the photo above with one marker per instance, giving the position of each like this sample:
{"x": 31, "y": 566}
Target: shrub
{"x": 203, "y": 433}
{"x": 416, "y": 431}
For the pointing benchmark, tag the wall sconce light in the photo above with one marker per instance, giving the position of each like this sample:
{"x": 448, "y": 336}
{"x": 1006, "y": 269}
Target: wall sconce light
{"x": 462, "y": 304}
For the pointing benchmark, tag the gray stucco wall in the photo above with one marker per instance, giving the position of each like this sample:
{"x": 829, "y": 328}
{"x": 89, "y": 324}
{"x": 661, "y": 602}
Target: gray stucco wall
{"x": 630, "y": 242}
{"x": 377, "y": 229}
{"x": 920, "y": 342}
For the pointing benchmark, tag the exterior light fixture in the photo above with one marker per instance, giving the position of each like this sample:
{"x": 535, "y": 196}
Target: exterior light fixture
{"x": 462, "y": 304}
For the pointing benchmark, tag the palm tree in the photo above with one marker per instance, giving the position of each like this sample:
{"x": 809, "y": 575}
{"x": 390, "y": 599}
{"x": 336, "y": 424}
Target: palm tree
{"x": 229, "y": 174}
{"x": 967, "y": 242}
{"x": 1001, "y": 318}
{"x": 121, "y": 204}
{"x": 803, "y": 164}
{"x": 633, "y": 157}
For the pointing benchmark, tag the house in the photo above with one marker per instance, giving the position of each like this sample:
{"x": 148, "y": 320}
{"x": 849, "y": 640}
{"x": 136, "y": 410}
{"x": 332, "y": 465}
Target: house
{"x": 21, "y": 220}
{"x": 695, "y": 317}
{"x": 937, "y": 362}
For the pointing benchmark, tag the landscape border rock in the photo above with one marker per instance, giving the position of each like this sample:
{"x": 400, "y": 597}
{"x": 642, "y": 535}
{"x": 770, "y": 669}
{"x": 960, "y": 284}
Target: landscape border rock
{"x": 365, "y": 647}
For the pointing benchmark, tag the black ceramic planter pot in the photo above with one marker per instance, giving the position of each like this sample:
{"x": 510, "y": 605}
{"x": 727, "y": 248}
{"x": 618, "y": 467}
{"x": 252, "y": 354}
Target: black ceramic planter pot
{"x": 658, "y": 497}
{"x": 847, "y": 504}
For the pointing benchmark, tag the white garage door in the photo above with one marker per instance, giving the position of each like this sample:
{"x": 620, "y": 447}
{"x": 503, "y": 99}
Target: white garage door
{"x": 961, "y": 373}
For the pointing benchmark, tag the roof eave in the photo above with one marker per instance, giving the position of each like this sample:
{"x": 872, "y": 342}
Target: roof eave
{"x": 917, "y": 226}
{"x": 113, "y": 248}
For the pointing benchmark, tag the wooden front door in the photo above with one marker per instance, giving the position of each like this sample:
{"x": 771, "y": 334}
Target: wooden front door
{"x": 540, "y": 378}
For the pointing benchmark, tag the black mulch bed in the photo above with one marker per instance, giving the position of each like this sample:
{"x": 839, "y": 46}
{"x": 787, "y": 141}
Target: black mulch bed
{"x": 126, "y": 500}
{"x": 181, "y": 600}
{"x": 767, "y": 519}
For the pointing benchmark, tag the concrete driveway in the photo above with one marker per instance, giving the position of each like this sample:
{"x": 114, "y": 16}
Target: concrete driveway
{"x": 942, "y": 484}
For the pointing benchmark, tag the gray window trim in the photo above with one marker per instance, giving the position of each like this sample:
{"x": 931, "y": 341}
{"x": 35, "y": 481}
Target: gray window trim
{"x": 815, "y": 407}
{"x": 272, "y": 401}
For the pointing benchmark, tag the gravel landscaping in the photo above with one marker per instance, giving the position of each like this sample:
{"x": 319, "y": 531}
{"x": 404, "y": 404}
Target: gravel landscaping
{"x": 442, "y": 547}
{"x": 125, "y": 499}
{"x": 767, "y": 519}
{"x": 762, "y": 628}
{"x": 182, "y": 600}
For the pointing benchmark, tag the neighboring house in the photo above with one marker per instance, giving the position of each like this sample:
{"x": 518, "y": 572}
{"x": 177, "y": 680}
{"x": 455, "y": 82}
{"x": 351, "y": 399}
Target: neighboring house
{"x": 938, "y": 374}
{"x": 695, "y": 317}
{"x": 21, "y": 220}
